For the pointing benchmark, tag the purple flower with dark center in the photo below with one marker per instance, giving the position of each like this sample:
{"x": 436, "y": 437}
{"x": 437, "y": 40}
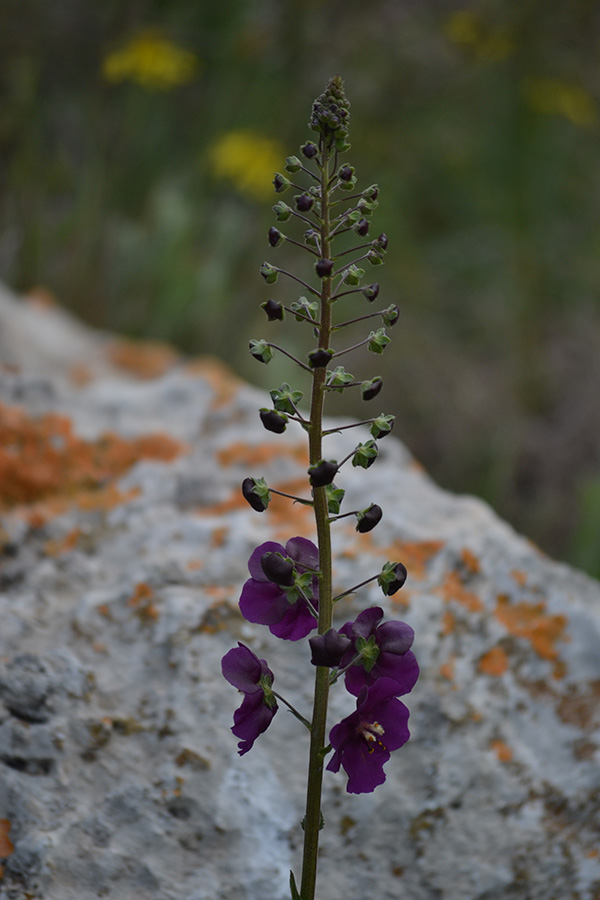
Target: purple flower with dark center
{"x": 384, "y": 652}
{"x": 245, "y": 671}
{"x": 283, "y": 608}
{"x": 364, "y": 740}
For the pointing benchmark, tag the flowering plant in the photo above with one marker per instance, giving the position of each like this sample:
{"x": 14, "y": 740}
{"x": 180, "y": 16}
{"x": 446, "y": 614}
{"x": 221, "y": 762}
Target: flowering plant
{"x": 290, "y": 587}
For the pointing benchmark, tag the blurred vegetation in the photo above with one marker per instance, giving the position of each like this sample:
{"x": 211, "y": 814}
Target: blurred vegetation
{"x": 138, "y": 140}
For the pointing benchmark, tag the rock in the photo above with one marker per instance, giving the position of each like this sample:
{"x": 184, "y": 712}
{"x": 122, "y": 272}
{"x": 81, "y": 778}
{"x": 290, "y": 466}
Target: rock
{"x": 122, "y": 562}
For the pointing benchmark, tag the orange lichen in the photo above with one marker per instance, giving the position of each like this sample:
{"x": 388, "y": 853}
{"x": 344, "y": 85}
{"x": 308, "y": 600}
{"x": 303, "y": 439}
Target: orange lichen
{"x": 42, "y": 461}
{"x": 58, "y": 546}
{"x": 194, "y": 564}
{"x": 503, "y": 752}
{"x": 80, "y": 375}
{"x": 447, "y": 668}
{"x": 453, "y": 588}
{"x": 243, "y": 454}
{"x": 494, "y": 662}
{"x": 146, "y": 359}
{"x": 219, "y": 535}
{"x": 142, "y": 591}
{"x": 414, "y": 554}
{"x": 519, "y": 577}
{"x": 448, "y": 622}
{"x": 530, "y": 621}
{"x": 6, "y": 845}
{"x": 401, "y": 598}
{"x": 288, "y": 518}
{"x": 470, "y": 561}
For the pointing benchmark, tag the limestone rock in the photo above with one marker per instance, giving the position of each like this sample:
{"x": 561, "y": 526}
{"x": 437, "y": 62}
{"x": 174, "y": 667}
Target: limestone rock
{"x": 122, "y": 561}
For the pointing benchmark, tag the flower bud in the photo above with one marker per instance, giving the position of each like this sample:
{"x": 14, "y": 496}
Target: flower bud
{"x": 256, "y": 493}
{"x": 392, "y": 577}
{"x": 346, "y": 173}
{"x": 309, "y": 149}
{"x": 365, "y": 455}
{"x": 378, "y": 341}
{"x": 370, "y": 389}
{"x": 275, "y": 236}
{"x": 382, "y": 425}
{"x": 352, "y": 275}
{"x": 277, "y": 569}
{"x": 374, "y": 258}
{"x": 273, "y": 420}
{"x": 390, "y": 315}
{"x": 319, "y": 358}
{"x": 304, "y": 202}
{"x": 371, "y": 193}
{"x": 282, "y": 211}
{"x": 269, "y": 273}
{"x": 335, "y": 496}
{"x": 292, "y": 164}
{"x": 324, "y": 268}
{"x": 370, "y": 291}
{"x": 273, "y": 309}
{"x": 281, "y": 183}
{"x": 361, "y": 227}
{"x": 382, "y": 242}
{"x": 261, "y": 351}
{"x": 367, "y": 519}
{"x": 327, "y": 649}
{"x": 311, "y": 237}
{"x": 323, "y": 473}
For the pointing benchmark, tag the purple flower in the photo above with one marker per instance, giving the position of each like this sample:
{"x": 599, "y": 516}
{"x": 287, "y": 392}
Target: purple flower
{"x": 251, "y": 675}
{"x": 283, "y": 608}
{"x": 385, "y": 652}
{"x": 364, "y": 740}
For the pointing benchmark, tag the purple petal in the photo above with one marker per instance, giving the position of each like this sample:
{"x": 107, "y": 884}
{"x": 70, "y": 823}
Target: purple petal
{"x": 366, "y": 621}
{"x": 243, "y": 669}
{"x": 395, "y": 637}
{"x": 392, "y": 716}
{"x": 254, "y": 565}
{"x": 303, "y": 552}
{"x": 251, "y": 720}
{"x": 263, "y": 603}
{"x": 403, "y": 670}
{"x": 296, "y": 624}
{"x": 363, "y": 764}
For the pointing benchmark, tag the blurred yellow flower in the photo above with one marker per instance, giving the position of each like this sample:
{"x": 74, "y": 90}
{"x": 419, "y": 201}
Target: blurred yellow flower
{"x": 151, "y": 61}
{"x": 561, "y": 98}
{"x": 487, "y": 44}
{"x": 248, "y": 160}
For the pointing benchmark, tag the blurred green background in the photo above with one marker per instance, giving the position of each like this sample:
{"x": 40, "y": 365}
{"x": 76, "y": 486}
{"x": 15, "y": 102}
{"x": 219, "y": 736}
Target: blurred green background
{"x": 138, "y": 141}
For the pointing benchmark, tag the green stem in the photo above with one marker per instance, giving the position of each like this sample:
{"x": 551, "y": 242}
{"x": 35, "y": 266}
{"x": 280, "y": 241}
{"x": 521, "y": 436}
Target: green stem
{"x": 312, "y": 822}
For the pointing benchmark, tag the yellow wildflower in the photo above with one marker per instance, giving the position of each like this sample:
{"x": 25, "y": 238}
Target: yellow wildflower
{"x": 152, "y": 61}
{"x": 248, "y": 160}
{"x": 561, "y": 98}
{"x": 485, "y": 43}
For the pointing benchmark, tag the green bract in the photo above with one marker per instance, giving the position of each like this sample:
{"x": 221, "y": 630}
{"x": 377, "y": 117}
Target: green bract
{"x": 378, "y": 341}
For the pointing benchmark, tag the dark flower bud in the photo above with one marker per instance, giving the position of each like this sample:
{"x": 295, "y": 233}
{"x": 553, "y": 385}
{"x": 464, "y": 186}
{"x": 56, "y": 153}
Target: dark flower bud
{"x": 393, "y": 576}
{"x": 319, "y": 358}
{"x": 311, "y": 237}
{"x": 309, "y": 149}
{"x": 261, "y": 351}
{"x": 304, "y": 202}
{"x": 370, "y": 291}
{"x": 324, "y": 268}
{"x": 367, "y": 519}
{"x": 277, "y": 569}
{"x": 275, "y": 236}
{"x": 256, "y": 493}
{"x": 346, "y": 173}
{"x": 371, "y": 193}
{"x": 390, "y": 315}
{"x": 362, "y": 227}
{"x": 370, "y": 389}
{"x": 382, "y": 425}
{"x": 382, "y": 241}
{"x": 327, "y": 649}
{"x": 273, "y": 309}
{"x": 365, "y": 454}
{"x": 281, "y": 183}
{"x": 273, "y": 421}
{"x": 323, "y": 473}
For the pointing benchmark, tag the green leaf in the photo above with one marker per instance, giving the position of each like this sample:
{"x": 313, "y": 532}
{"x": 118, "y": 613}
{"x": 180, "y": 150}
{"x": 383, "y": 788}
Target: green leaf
{"x": 295, "y": 893}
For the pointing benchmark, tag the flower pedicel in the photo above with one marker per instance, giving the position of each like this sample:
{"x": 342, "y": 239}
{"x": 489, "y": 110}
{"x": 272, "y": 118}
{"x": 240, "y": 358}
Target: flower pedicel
{"x": 290, "y": 586}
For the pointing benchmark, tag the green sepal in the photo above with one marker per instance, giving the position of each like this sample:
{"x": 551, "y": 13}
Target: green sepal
{"x": 348, "y": 185}
{"x": 335, "y": 496}
{"x": 269, "y": 272}
{"x": 369, "y": 652}
{"x": 374, "y": 258}
{"x": 261, "y": 351}
{"x": 378, "y": 341}
{"x": 301, "y": 587}
{"x": 337, "y": 378}
{"x": 292, "y": 164}
{"x": 382, "y": 425}
{"x": 390, "y": 315}
{"x": 308, "y": 308}
{"x": 365, "y": 454}
{"x": 352, "y": 275}
{"x": 282, "y": 211}
{"x": 285, "y": 399}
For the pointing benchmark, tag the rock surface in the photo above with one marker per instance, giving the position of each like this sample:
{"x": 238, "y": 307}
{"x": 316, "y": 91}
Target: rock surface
{"x": 123, "y": 556}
